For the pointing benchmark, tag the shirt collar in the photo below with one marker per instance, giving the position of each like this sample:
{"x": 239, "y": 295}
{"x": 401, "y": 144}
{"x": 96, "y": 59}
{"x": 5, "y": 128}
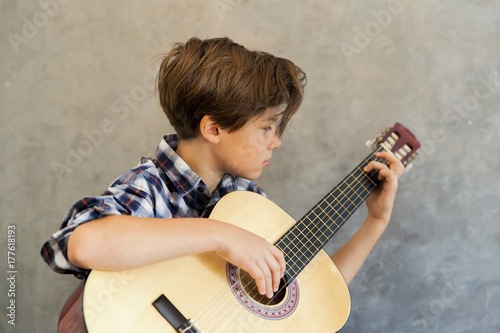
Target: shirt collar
{"x": 181, "y": 175}
{"x": 175, "y": 168}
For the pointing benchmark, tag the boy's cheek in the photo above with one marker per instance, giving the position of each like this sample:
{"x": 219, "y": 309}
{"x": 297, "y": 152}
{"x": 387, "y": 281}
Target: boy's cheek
{"x": 247, "y": 151}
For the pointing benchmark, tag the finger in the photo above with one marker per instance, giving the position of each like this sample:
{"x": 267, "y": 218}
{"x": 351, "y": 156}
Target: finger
{"x": 282, "y": 262}
{"x": 375, "y": 165}
{"x": 384, "y": 173}
{"x": 278, "y": 267}
{"x": 387, "y": 155}
{"x": 393, "y": 162}
{"x": 258, "y": 274}
{"x": 267, "y": 281}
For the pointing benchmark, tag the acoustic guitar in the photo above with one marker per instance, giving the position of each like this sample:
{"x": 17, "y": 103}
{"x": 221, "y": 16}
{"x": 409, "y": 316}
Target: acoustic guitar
{"x": 203, "y": 293}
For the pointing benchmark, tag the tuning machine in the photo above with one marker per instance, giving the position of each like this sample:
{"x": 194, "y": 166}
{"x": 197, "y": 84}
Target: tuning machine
{"x": 372, "y": 143}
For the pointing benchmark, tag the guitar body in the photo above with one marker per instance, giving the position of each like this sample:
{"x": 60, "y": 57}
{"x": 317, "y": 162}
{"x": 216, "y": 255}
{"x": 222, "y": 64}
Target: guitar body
{"x": 317, "y": 301}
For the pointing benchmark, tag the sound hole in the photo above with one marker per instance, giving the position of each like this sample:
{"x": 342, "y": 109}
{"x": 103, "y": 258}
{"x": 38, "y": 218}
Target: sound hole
{"x": 250, "y": 288}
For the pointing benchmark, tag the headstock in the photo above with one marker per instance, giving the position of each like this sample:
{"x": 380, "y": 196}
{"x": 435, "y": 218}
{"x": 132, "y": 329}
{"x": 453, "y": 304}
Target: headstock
{"x": 400, "y": 141}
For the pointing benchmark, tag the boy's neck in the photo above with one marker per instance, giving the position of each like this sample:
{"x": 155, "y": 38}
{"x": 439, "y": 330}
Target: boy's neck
{"x": 197, "y": 155}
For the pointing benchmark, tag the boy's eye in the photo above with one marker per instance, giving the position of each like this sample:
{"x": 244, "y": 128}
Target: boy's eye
{"x": 267, "y": 129}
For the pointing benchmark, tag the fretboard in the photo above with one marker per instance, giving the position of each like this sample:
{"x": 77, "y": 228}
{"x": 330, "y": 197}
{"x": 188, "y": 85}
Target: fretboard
{"x": 311, "y": 233}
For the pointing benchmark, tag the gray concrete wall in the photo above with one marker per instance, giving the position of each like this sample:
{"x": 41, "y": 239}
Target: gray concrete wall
{"x": 432, "y": 65}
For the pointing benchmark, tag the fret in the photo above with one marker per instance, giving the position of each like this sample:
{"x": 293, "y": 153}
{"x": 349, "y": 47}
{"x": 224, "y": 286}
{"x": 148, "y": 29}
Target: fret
{"x": 300, "y": 257}
{"x": 298, "y": 248}
{"x": 305, "y": 239}
{"x": 319, "y": 229}
{"x": 335, "y": 198}
{"x": 301, "y": 241}
{"x": 305, "y": 246}
{"x": 289, "y": 260}
{"x": 330, "y": 206}
{"x": 312, "y": 221}
{"x": 366, "y": 176}
{"x": 290, "y": 263}
{"x": 364, "y": 193}
{"x": 369, "y": 178}
{"x": 360, "y": 183}
{"x": 355, "y": 206}
{"x": 353, "y": 190}
{"x": 364, "y": 180}
{"x": 324, "y": 223}
{"x": 312, "y": 233}
{"x": 332, "y": 221}
{"x": 291, "y": 270}
{"x": 373, "y": 175}
{"x": 296, "y": 266}
{"x": 339, "y": 215}
{"x": 288, "y": 253}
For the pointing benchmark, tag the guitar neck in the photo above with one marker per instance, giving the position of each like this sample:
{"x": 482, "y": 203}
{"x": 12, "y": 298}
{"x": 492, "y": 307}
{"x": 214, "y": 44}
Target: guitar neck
{"x": 309, "y": 235}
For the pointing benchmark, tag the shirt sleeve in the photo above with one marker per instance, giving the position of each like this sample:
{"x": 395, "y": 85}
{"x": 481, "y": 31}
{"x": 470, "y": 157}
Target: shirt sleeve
{"x": 128, "y": 195}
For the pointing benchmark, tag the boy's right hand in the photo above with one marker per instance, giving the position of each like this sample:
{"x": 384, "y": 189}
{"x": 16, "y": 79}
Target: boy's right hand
{"x": 252, "y": 253}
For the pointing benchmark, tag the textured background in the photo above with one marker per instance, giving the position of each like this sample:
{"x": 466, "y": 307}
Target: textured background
{"x": 71, "y": 68}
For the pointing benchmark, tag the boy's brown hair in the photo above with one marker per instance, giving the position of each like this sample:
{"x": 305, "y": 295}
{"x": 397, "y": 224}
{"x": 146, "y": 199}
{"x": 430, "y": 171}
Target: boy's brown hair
{"x": 222, "y": 79}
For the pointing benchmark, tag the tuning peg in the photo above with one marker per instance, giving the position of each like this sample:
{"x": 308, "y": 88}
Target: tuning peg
{"x": 412, "y": 158}
{"x": 384, "y": 132}
{"x": 408, "y": 166}
{"x": 372, "y": 143}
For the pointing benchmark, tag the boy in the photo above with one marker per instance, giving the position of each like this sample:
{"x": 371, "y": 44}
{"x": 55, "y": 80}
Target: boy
{"x": 229, "y": 107}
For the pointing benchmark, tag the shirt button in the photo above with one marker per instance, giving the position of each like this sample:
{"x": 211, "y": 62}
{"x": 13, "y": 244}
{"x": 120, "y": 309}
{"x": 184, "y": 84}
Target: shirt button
{"x": 201, "y": 189}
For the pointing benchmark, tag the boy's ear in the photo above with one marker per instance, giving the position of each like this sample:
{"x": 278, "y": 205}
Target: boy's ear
{"x": 209, "y": 129}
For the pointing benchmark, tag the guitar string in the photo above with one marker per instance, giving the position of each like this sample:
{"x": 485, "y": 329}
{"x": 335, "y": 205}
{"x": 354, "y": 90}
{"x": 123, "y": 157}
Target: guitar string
{"x": 357, "y": 186}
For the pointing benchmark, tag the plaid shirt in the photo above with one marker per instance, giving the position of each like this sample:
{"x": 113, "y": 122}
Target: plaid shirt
{"x": 163, "y": 187}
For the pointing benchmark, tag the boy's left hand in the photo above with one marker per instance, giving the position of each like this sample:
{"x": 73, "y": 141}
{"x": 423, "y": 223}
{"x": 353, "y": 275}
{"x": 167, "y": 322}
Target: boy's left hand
{"x": 381, "y": 201}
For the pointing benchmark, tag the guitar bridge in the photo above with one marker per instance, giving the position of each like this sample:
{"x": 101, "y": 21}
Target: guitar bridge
{"x": 192, "y": 328}
{"x": 175, "y": 318}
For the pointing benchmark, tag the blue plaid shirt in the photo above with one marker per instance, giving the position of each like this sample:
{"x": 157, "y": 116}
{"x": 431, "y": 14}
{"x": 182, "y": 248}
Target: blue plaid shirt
{"x": 163, "y": 187}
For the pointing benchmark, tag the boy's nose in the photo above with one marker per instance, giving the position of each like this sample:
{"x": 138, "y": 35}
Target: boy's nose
{"x": 275, "y": 143}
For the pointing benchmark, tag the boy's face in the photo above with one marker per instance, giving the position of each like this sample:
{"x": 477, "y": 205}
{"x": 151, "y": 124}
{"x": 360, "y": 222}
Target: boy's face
{"x": 246, "y": 152}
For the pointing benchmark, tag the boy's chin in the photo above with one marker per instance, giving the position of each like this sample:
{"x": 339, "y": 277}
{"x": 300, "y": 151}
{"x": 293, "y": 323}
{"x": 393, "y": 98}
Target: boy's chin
{"x": 251, "y": 175}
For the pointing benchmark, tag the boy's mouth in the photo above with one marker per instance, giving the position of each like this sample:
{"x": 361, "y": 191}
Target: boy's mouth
{"x": 266, "y": 163}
